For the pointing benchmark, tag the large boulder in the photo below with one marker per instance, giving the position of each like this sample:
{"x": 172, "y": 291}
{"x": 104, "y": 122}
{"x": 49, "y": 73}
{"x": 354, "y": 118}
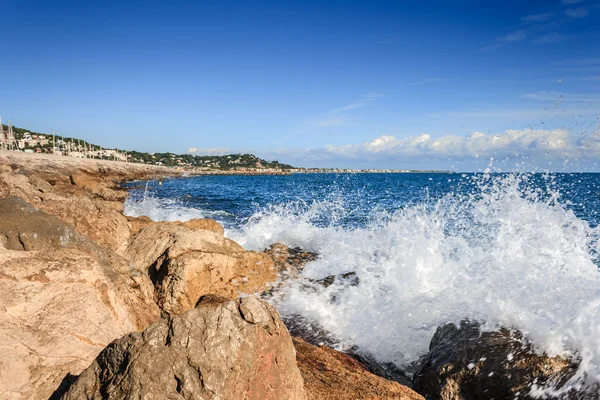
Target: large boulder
{"x": 331, "y": 375}
{"x": 221, "y": 349}
{"x": 186, "y": 263}
{"x": 465, "y": 363}
{"x": 91, "y": 214}
{"x": 63, "y": 298}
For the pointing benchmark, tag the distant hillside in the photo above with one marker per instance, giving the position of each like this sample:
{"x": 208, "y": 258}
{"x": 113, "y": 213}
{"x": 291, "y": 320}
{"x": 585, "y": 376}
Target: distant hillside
{"x": 42, "y": 142}
{"x": 226, "y": 162}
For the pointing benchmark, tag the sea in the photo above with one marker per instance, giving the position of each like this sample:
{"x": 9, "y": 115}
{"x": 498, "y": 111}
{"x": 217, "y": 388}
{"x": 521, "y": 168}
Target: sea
{"x": 515, "y": 250}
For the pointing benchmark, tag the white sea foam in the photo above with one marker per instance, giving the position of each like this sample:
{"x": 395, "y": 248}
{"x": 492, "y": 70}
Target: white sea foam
{"x": 508, "y": 255}
{"x": 170, "y": 210}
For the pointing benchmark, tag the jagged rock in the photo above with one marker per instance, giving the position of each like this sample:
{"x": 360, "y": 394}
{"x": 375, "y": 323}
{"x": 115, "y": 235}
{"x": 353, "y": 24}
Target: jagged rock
{"x": 221, "y": 349}
{"x": 186, "y": 263}
{"x": 26, "y": 228}
{"x": 85, "y": 194}
{"x": 61, "y": 301}
{"x": 465, "y": 363}
{"x": 288, "y": 260}
{"x": 331, "y": 375}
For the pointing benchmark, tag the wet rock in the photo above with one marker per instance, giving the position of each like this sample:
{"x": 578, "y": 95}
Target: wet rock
{"x": 346, "y": 279}
{"x": 331, "y": 375}
{"x": 221, "y": 349}
{"x": 186, "y": 263}
{"x": 62, "y": 301}
{"x": 290, "y": 261}
{"x": 465, "y": 363}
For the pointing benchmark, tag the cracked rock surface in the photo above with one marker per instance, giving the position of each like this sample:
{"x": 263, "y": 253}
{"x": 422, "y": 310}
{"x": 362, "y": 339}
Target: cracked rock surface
{"x": 221, "y": 349}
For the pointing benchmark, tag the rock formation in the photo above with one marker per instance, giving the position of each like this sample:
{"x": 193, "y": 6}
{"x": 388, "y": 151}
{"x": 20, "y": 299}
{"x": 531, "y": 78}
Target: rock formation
{"x": 63, "y": 299}
{"x": 331, "y": 375}
{"x": 85, "y": 194}
{"x": 186, "y": 263}
{"x": 465, "y": 363}
{"x": 221, "y": 349}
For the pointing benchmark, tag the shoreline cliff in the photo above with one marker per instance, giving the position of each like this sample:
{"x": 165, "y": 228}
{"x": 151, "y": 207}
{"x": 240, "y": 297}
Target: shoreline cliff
{"x": 88, "y": 294}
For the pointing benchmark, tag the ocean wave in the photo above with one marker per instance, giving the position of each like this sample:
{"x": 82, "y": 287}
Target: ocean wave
{"x": 507, "y": 254}
{"x": 169, "y": 210}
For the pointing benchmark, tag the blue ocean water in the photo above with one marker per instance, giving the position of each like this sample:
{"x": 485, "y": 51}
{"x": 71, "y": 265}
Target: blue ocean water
{"x": 232, "y": 200}
{"x": 506, "y": 249}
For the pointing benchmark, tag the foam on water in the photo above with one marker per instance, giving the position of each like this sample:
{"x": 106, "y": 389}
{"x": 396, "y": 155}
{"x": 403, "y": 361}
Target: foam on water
{"x": 508, "y": 255}
{"x": 160, "y": 209}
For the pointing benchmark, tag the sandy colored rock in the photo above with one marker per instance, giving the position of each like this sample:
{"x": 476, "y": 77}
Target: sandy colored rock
{"x": 465, "y": 363}
{"x": 185, "y": 264}
{"x": 214, "y": 351}
{"x": 331, "y": 375}
{"x": 84, "y": 193}
{"x": 137, "y": 224}
{"x": 62, "y": 300}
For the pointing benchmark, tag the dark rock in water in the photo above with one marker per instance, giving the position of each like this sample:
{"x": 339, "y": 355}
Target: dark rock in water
{"x": 348, "y": 278}
{"x": 221, "y": 349}
{"x": 465, "y": 363}
{"x": 290, "y": 261}
{"x": 315, "y": 335}
{"x": 309, "y": 331}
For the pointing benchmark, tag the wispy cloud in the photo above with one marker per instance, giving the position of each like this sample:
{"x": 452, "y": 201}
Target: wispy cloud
{"x": 209, "y": 151}
{"x": 426, "y": 81}
{"x": 570, "y": 2}
{"x": 537, "y": 17}
{"x": 339, "y": 116}
{"x": 580, "y": 12}
{"x": 560, "y": 97}
{"x": 516, "y": 36}
{"x": 329, "y": 121}
{"x": 553, "y": 37}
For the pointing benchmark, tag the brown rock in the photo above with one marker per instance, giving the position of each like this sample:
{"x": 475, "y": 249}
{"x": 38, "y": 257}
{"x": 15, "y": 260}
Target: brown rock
{"x": 137, "y": 224}
{"x": 26, "y": 228}
{"x": 84, "y": 193}
{"x": 185, "y": 264}
{"x": 331, "y": 375}
{"x": 61, "y": 301}
{"x": 465, "y": 363}
{"x": 290, "y": 261}
{"x": 221, "y": 349}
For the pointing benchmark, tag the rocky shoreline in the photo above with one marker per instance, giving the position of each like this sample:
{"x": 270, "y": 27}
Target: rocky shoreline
{"x": 97, "y": 305}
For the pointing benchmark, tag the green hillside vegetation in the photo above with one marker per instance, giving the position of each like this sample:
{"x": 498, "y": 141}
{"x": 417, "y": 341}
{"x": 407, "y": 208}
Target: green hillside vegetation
{"x": 225, "y": 162}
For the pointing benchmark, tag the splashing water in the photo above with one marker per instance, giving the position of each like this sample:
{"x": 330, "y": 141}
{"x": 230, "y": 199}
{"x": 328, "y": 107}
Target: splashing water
{"x": 508, "y": 254}
{"x": 511, "y": 250}
{"x": 163, "y": 209}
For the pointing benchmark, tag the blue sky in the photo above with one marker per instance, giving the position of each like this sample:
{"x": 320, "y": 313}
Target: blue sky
{"x": 394, "y": 84}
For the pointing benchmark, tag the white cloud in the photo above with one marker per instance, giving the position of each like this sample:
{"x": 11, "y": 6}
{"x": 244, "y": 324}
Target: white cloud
{"x": 537, "y": 17}
{"x": 580, "y": 12}
{"x": 209, "y": 151}
{"x": 553, "y": 37}
{"x": 510, "y": 143}
{"x": 570, "y": 2}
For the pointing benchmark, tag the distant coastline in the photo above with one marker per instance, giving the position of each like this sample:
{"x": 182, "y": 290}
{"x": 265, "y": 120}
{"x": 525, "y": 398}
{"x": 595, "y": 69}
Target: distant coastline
{"x": 368, "y": 171}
